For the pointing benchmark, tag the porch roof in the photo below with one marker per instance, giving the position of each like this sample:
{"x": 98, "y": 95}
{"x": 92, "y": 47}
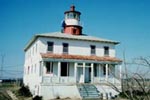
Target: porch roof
{"x": 80, "y": 57}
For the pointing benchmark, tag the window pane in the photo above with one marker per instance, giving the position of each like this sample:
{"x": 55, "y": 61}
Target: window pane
{"x": 93, "y": 49}
{"x": 65, "y": 47}
{"x": 50, "y": 46}
{"x": 106, "y": 51}
{"x": 49, "y": 67}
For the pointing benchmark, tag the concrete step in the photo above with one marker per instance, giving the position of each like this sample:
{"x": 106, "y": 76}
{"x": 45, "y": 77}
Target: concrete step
{"x": 88, "y": 91}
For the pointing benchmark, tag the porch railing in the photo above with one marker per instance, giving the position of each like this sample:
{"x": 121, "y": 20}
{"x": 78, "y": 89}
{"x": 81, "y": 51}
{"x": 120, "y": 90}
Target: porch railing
{"x": 47, "y": 80}
{"x": 71, "y": 80}
{"x": 109, "y": 80}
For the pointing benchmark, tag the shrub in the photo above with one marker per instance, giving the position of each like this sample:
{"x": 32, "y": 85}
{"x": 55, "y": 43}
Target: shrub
{"x": 24, "y": 91}
{"x": 122, "y": 94}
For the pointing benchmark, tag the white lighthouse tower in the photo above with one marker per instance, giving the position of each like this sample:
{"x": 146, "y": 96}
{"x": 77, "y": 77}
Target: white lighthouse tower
{"x": 71, "y": 24}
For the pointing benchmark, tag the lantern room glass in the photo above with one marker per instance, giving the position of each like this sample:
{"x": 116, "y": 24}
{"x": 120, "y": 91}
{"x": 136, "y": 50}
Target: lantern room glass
{"x": 72, "y": 15}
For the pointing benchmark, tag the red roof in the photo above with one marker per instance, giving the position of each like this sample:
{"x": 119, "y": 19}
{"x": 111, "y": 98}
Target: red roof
{"x": 80, "y": 57}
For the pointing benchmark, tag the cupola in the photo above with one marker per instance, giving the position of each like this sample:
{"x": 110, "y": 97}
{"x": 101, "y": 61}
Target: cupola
{"x": 71, "y": 23}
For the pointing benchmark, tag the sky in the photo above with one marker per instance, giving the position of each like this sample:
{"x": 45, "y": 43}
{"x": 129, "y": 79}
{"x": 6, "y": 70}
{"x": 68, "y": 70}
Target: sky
{"x": 126, "y": 21}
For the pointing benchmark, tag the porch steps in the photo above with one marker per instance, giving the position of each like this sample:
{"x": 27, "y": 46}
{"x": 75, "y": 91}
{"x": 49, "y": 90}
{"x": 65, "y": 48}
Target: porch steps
{"x": 88, "y": 92}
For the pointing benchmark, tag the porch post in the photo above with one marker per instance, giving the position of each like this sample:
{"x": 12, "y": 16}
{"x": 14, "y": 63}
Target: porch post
{"x": 59, "y": 69}
{"x": 92, "y": 78}
{"x": 99, "y": 70}
{"x": 83, "y": 72}
{"x": 75, "y": 71}
{"x": 106, "y": 66}
{"x": 41, "y": 68}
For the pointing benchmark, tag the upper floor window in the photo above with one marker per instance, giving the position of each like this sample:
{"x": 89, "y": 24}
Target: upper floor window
{"x": 93, "y": 49}
{"x": 50, "y": 46}
{"x": 106, "y": 51}
{"x": 65, "y": 48}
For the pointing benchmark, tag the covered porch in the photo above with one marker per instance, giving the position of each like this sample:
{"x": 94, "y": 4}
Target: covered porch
{"x": 73, "y": 71}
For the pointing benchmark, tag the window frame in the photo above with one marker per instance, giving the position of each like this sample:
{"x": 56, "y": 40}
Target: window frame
{"x": 93, "y": 49}
{"x": 106, "y": 50}
{"x": 65, "y": 48}
{"x": 50, "y": 46}
{"x": 49, "y": 67}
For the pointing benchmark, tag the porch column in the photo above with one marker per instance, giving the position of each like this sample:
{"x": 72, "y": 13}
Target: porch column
{"x": 92, "y": 78}
{"x": 41, "y": 68}
{"x": 75, "y": 71}
{"x": 59, "y": 68}
{"x": 83, "y": 72}
{"x": 106, "y": 66}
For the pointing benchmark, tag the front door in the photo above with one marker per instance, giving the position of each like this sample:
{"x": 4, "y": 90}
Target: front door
{"x": 80, "y": 77}
{"x": 87, "y": 74}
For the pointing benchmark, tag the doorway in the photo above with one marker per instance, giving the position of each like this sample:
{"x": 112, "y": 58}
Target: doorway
{"x": 80, "y": 78}
{"x": 87, "y": 74}
{"x": 64, "y": 69}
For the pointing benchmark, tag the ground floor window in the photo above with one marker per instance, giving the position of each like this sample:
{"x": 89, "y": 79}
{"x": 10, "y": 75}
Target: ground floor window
{"x": 64, "y": 69}
{"x": 49, "y": 67}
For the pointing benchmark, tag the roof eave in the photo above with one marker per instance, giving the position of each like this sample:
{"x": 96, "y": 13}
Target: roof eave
{"x": 40, "y": 35}
{"x": 77, "y": 60}
{"x": 112, "y": 42}
{"x": 30, "y": 42}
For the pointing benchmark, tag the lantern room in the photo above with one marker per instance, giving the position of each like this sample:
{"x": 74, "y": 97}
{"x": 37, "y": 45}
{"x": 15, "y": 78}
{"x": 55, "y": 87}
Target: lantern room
{"x": 71, "y": 23}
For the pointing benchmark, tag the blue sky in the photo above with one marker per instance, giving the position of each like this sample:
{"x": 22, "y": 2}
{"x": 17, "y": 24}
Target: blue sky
{"x": 127, "y": 21}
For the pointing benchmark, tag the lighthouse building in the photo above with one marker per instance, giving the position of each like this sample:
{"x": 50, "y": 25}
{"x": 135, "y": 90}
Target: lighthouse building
{"x": 70, "y": 64}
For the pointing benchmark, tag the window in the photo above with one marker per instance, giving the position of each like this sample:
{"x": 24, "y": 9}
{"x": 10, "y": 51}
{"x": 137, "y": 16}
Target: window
{"x": 106, "y": 51}
{"x": 72, "y": 15}
{"x": 74, "y": 31}
{"x": 65, "y": 48}
{"x": 50, "y": 46}
{"x": 49, "y": 67}
{"x": 93, "y": 51}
